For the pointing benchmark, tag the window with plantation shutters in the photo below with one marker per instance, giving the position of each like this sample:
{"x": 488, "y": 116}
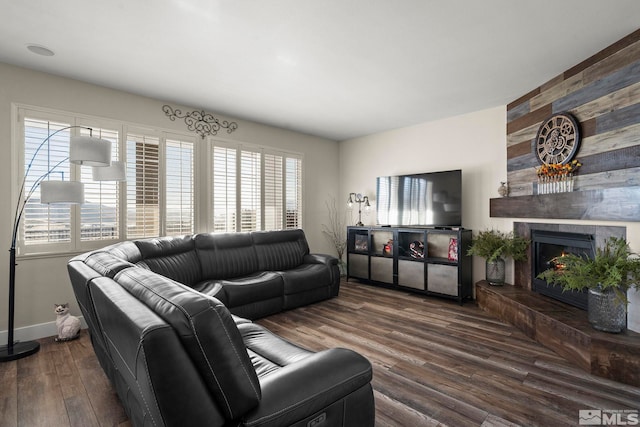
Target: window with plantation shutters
{"x": 143, "y": 192}
{"x": 224, "y": 166}
{"x": 250, "y": 183}
{"x": 251, "y": 187}
{"x": 265, "y": 186}
{"x": 44, "y": 224}
{"x": 99, "y": 215}
{"x": 293, "y": 185}
{"x": 179, "y": 190}
{"x": 273, "y": 191}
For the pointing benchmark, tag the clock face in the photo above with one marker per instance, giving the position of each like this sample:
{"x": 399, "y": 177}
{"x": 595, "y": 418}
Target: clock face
{"x": 558, "y": 139}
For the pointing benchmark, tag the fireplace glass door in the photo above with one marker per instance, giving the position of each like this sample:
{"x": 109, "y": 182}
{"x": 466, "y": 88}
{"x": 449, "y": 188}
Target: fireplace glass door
{"x": 548, "y": 248}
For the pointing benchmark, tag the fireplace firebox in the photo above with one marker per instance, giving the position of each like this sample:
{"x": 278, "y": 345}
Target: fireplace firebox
{"x": 548, "y": 247}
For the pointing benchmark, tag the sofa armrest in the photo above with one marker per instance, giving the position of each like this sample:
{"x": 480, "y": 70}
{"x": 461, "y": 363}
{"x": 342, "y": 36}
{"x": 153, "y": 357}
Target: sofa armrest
{"x": 320, "y": 259}
{"x": 303, "y": 388}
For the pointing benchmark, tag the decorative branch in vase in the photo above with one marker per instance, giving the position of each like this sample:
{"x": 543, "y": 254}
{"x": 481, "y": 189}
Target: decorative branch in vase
{"x": 336, "y": 231}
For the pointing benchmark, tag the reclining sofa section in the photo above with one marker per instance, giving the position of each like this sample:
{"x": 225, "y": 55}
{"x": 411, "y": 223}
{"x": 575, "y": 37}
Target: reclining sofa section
{"x": 164, "y": 321}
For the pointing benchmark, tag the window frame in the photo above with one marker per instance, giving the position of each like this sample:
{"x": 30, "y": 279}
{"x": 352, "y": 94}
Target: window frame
{"x": 262, "y": 150}
{"x": 76, "y": 244}
{"x": 202, "y": 178}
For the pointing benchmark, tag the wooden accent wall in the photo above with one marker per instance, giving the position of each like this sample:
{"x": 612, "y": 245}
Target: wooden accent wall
{"x": 603, "y": 93}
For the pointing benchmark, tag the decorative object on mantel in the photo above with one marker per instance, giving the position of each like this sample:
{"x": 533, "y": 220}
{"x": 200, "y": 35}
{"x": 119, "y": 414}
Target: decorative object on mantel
{"x": 557, "y": 177}
{"x": 359, "y": 199}
{"x": 558, "y": 139}
{"x": 608, "y": 277}
{"x": 503, "y": 190}
{"x": 199, "y": 121}
{"x": 494, "y": 246}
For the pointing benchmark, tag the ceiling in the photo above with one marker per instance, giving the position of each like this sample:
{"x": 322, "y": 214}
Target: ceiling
{"x": 332, "y": 68}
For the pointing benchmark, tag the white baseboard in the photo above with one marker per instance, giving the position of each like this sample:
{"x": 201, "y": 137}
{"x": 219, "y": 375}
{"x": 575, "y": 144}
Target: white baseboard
{"x": 34, "y": 332}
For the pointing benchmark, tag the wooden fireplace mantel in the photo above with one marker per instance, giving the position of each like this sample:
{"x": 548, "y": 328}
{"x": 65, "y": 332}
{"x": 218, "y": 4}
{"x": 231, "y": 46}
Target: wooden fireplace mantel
{"x": 607, "y": 204}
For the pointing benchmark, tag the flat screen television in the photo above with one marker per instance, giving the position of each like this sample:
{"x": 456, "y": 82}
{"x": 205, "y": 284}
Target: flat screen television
{"x": 431, "y": 199}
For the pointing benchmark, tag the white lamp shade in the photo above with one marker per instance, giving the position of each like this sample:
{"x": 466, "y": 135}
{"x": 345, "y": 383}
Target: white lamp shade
{"x": 116, "y": 172}
{"x": 61, "y": 192}
{"x": 89, "y": 151}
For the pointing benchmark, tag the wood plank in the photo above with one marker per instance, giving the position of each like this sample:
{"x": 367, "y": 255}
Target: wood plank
{"x": 609, "y": 204}
{"x": 562, "y": 89}
{"x": 608, "y": 58}
{"x": 613, "y": 140}
{"x": 523, "y": 99}
{"x": 525, "y": 134}
{"x": 617, "y": 80}
{"x": 45, "y": 405}
{"x": 521, "y": 149}
{"x": 536, "y": 116}
{"x": 8, "y": 395}
{"x": 622, "y": 98}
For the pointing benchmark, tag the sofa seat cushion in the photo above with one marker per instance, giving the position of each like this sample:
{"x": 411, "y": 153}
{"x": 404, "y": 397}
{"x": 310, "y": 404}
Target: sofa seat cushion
{"x": 245, "y": 290}
{"x": 305, "y": 278}
{"x": 336, "y": 384}
{"x": 269, "y": 352}
{"x": 208, "y": 333}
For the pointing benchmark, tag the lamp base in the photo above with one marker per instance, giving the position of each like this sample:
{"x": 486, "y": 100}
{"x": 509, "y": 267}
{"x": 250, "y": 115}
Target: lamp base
{"x": 19, "y": 350}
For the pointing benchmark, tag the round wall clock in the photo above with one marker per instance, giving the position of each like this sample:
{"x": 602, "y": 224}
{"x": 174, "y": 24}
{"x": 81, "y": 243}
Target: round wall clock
{"x": 558, "y": 139}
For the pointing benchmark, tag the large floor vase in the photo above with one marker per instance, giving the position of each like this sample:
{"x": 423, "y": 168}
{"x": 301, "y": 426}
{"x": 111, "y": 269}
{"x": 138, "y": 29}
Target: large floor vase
{"x": 607, "y": 312}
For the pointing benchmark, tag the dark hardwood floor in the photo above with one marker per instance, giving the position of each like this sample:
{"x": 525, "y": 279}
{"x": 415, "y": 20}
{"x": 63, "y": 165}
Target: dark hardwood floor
{"x": 435, "y": 363}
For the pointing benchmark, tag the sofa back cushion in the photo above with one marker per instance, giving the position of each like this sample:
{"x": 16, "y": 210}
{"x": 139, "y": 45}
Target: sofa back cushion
{"x": 173, "y": 257}
{"x": 208, "y": 333}
{"x": 226, "y": 255}
{"x": 106, "y": 263}
{"x": 280, "y": 250}
{"x": 127, "y": 251}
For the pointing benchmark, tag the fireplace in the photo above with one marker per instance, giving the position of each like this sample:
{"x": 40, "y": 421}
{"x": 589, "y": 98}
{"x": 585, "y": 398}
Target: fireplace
{"x": 548, "y": 248}
{"x": 583, "y": 235}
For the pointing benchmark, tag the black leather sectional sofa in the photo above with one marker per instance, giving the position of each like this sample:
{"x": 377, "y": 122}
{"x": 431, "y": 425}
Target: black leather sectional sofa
{"x": 169, "y": 322}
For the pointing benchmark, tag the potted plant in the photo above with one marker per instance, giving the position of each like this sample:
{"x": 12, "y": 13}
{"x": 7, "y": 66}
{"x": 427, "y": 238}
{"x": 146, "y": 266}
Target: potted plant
{"x": 494, "y": 246}
{"x": 608, "y": 276}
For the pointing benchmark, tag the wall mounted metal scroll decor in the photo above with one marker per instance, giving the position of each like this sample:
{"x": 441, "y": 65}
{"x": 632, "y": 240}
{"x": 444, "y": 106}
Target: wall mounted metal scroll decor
{"x": 200, "y": 122}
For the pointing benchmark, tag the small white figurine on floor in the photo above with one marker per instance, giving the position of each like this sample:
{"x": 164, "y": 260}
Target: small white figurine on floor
{"x": 68, "y": 325}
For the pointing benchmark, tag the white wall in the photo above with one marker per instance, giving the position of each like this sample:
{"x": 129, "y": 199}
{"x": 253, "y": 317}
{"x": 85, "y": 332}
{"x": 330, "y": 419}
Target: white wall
{"x": 42, "y": 282}
{"x": 475, "y": 143}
